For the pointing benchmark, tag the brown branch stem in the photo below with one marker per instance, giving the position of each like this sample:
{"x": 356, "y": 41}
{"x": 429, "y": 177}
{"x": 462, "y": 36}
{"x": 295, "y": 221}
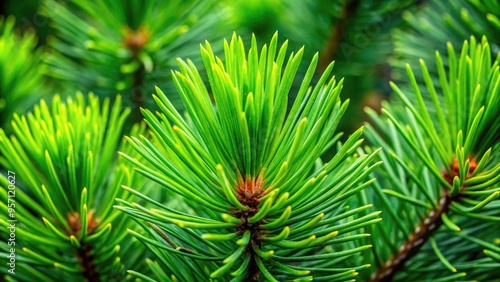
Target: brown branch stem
{"x": 250, "y": 192}
{"x": 336, "y": 35}
{"x": 89, "y": 270}
{"x": 135, "y": 41}
{"x": 85, "y": 253}
{"x": 424, "y": 230}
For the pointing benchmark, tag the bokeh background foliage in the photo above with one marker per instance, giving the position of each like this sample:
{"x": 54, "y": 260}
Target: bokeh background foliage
{"x": 416, "y": 201}
{"x": 133, "y": 49}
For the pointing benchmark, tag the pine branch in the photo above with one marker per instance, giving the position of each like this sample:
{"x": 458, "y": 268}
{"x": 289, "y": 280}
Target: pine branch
{"x": 424, "y": 230}
{"x": 247, "y": 168}
{"x": 136, "y": 41}
{"x": 336, "y": 34}
{"x": 434, "y": 164}
{"x": 21, "y": 69}
{"x": 69, "y": 175}
{"x": 435, "y": 24}
{"x": 84, "y": 251}
{"x": 129, "y": 52}
{"x": 86, "y": 259}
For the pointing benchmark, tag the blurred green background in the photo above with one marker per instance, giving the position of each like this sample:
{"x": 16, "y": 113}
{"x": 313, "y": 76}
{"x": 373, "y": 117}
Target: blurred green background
{"x": 127, "y": 47}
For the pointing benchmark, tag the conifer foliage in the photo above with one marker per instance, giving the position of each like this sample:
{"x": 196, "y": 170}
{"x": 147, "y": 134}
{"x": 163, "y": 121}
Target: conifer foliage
{"x": 63, "y": 167}
{"x": 129, "y": 51}
{"x": 440, "y": 22}
{"x": 19, "y": 61}
{"x": 261, "y": 209}
{"x": 440, "y": 178}
{"x": 236, "y": 171}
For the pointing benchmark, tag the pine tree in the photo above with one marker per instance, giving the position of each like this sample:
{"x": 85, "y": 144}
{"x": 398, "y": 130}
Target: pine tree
{"x": 439, "y": 182}
{"x": 20, "y": 70}
{"x": 263, "y": 207}
{"x": 131, "y": 50}
{"x": 63, "y": 176}
{"x": 237, "y": 173}
{"x": 436, "y": 24}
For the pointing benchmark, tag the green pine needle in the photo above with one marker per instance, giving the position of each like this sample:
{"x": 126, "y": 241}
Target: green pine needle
{"x": 249, "y": 162}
